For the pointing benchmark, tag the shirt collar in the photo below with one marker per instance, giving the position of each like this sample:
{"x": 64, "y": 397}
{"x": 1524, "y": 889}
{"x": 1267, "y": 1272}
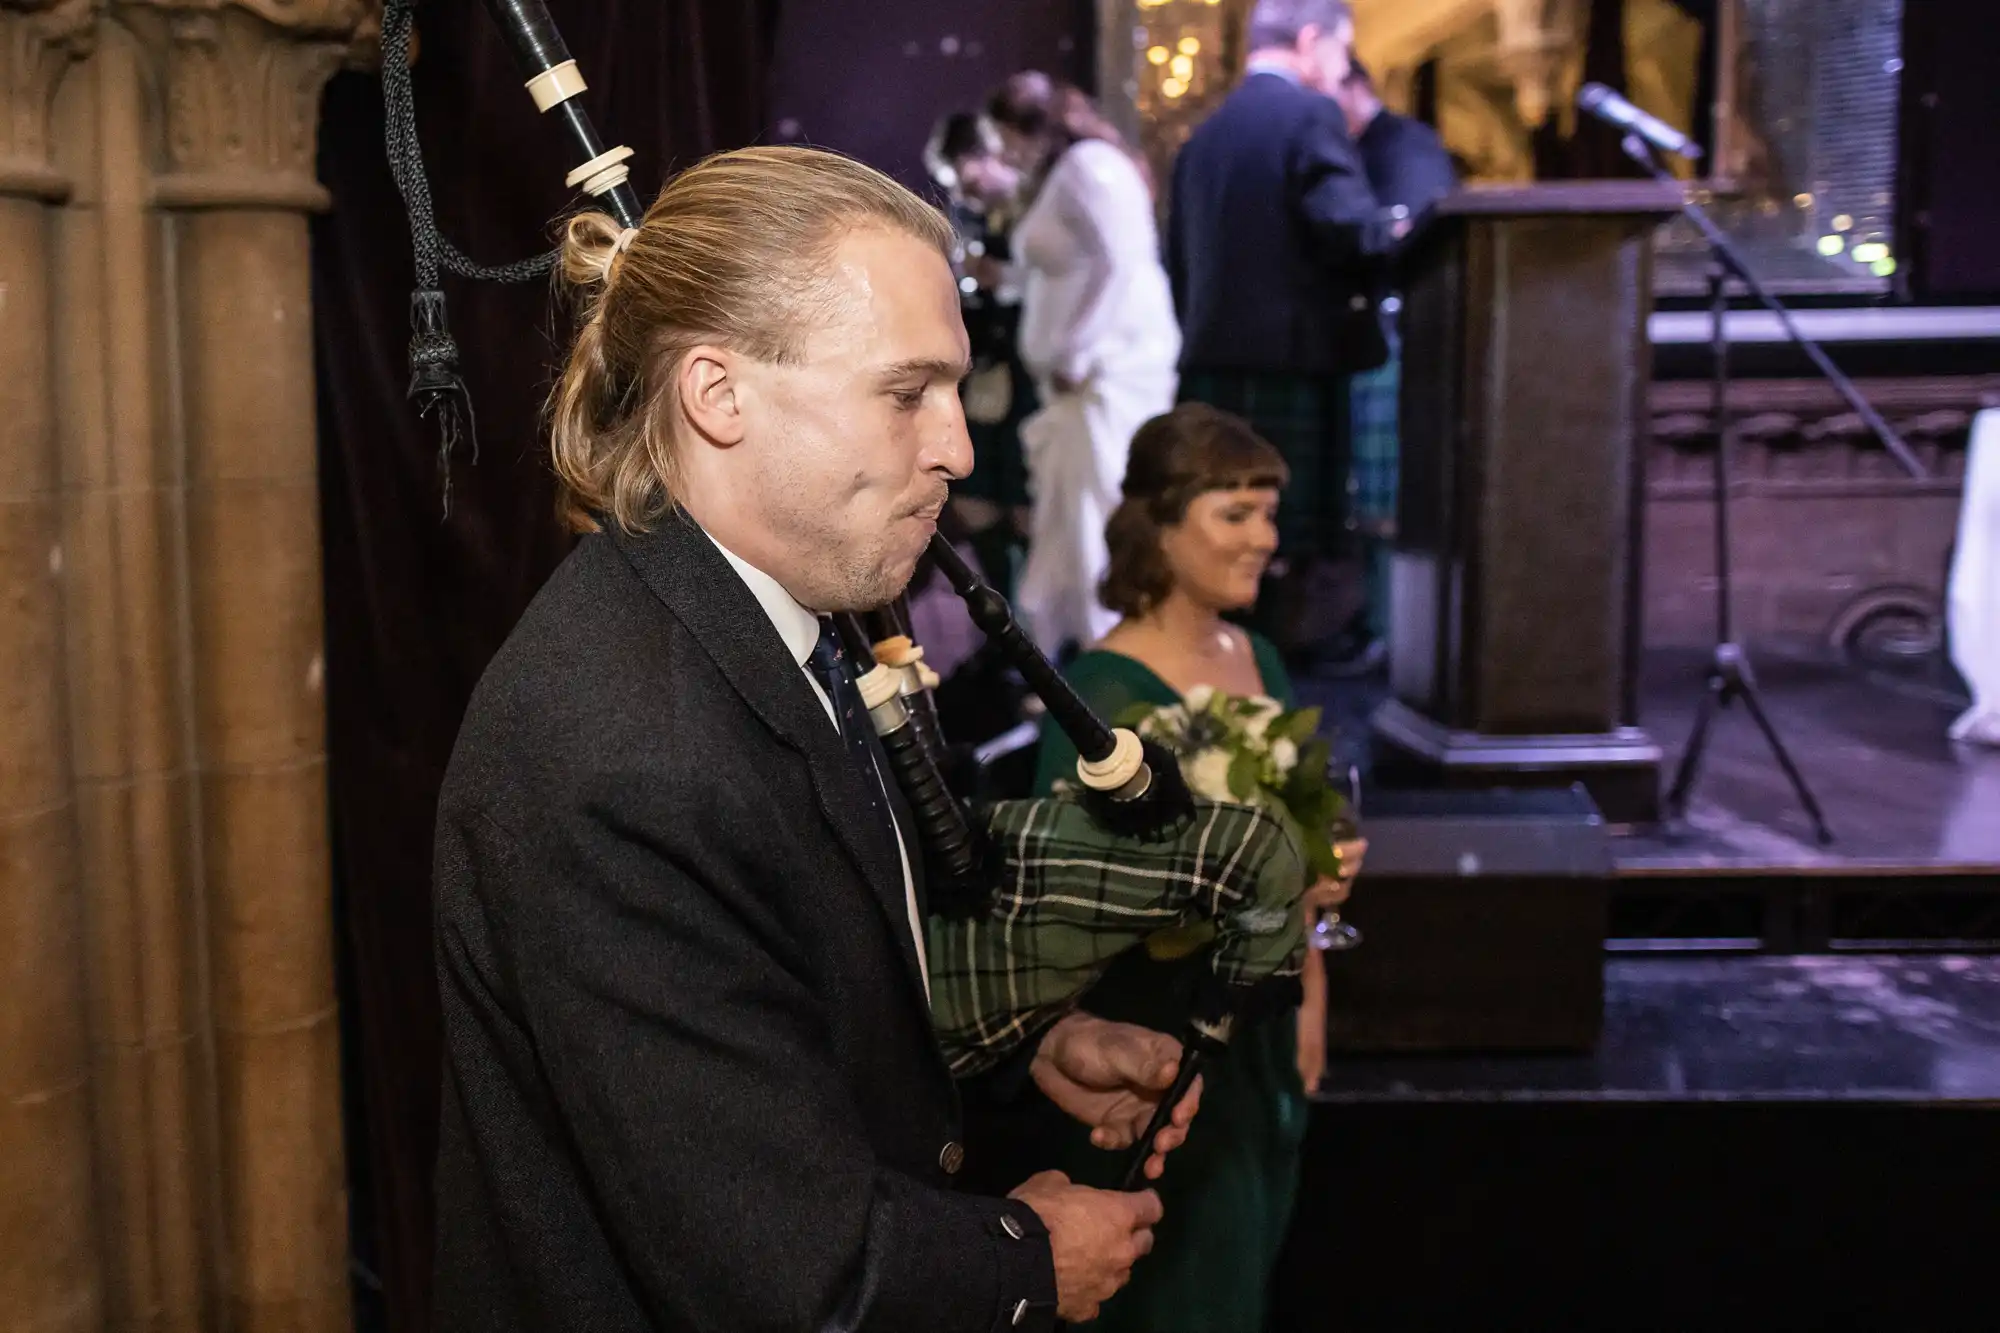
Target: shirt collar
{"x": 1256, "y": 66}
{"x": 798, "y": 627}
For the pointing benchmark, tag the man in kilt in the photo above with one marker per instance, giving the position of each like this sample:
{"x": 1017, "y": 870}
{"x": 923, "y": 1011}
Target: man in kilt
{"x": 1409, "y": 169}
{"x": 1274, "y": 244}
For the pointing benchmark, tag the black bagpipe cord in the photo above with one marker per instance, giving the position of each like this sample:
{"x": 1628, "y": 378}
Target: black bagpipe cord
{"x": 436, "y": 384}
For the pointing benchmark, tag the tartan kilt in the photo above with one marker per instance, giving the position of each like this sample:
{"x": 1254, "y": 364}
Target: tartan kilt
{"x": 1376, "y": 467}
{"x": 1307, "y": 419}
{"x": 999, "y": 468}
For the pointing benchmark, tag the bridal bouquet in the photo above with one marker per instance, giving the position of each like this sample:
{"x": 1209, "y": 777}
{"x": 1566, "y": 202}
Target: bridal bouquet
{"x": 1252, "y": 751}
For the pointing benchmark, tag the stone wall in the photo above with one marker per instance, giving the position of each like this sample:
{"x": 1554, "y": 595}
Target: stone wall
{"x": 1826, "y": 528}
{"x": 170, "y": 1137}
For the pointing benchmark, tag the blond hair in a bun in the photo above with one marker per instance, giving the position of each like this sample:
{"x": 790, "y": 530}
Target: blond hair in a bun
{"x": 733, "y": 252}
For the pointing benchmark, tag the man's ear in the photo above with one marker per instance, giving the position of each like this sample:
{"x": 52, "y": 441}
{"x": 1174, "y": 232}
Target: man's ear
{"x": 1308, "y": 39}
{"x": 711, "y": 393}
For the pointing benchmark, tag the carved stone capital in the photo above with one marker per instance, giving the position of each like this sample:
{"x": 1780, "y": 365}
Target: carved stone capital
{"x": 38, "y": 41}
{"x": 242, "y": 81}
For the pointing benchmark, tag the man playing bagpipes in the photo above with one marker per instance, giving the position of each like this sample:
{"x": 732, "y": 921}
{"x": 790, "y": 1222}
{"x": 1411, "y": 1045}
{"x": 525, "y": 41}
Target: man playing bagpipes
{"x": 697, "y": 1075}
{"x": 692, "y": 1077}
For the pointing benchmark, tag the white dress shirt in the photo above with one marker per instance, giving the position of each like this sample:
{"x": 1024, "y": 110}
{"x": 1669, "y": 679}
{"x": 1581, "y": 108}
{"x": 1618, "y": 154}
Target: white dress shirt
{"x": 799, "y": 628}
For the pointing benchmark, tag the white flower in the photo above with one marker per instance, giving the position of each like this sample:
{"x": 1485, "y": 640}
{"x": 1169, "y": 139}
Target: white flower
{"x": 1284, "y": 754}
{"x": 1262, "y": 714}
{"x": 1208, "y": 774}
{"x": 1198, "y": 697}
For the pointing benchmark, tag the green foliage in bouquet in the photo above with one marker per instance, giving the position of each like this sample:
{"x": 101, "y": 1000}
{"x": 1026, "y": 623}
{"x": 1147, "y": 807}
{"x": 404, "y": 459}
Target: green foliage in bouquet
{"x": 1253, "y": 751}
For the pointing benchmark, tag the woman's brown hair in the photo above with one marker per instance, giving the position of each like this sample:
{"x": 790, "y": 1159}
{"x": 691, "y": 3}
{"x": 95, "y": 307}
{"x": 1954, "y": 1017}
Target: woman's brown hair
{"x": 1175, "y": 457}
{"x": 730, "y": 253}
{"x": 1057, "y": 114}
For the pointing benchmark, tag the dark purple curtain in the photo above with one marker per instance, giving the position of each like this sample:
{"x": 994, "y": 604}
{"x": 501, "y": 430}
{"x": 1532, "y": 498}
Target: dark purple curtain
{"x": 1949, "y": 158}
{"x": 416, "y": 603}
{"x": 871, "y": 77}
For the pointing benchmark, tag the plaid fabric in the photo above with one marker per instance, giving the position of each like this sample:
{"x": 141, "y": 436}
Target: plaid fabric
{"x": 1376, "y": 453}
{"x": 1376, "y": 475}
{"x": 999, "y": 468}
{"x": 1307, "y": 419}
{"x": 1074, "y": 897}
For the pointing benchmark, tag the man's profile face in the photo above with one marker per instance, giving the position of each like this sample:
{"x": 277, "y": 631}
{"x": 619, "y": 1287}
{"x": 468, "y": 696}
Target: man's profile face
{"x": 1330, "y": 55}
{"x": 856, "y": 440}
{"x": 1356, "y": 105}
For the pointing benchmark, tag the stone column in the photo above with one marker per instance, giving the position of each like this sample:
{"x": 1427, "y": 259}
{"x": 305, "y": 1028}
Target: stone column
{"x": 242, "y": 84}
{"x": 128, "y": 686}
{"x": 49, "y": 1273}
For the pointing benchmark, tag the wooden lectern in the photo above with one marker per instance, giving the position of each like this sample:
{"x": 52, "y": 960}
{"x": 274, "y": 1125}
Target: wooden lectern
{"x": 1515, "y": 580}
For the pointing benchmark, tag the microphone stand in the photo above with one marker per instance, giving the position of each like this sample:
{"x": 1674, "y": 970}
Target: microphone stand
{"x": 1730, "y": 677}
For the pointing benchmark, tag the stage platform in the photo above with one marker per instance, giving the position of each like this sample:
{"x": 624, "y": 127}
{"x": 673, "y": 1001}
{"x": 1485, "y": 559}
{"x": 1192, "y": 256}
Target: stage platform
{"x": 1900, "y": 797}
{"x": 1872, "y": 1027}
{"x": 1916, "y": 859}
{"x": 1788, "y": 1120}
{"x": 1757, "y": 1143}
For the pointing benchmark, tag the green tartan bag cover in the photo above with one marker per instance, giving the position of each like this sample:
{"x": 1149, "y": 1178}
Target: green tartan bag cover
{"x": 1072, "y": 897}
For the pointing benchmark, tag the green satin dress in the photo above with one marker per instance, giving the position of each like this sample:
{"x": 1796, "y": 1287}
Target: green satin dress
{"x": 1228, "y": 1190}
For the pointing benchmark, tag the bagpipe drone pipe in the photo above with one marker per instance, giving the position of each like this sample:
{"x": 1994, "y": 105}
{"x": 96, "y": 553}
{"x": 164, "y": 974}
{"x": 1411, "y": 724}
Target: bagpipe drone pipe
{"x": 1029, "y": 900}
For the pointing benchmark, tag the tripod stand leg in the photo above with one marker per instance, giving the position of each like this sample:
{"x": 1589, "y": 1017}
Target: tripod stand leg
{"x": 1690, "y": 764}
{"x": 1804, "y": 793}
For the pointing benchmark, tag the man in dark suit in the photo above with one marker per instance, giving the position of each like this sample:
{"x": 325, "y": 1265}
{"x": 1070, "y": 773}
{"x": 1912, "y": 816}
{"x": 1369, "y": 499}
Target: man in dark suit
{"x": 691, "y": 1081}
{"x": 1273, "y": 244}
{"x": 1407, "y": 165}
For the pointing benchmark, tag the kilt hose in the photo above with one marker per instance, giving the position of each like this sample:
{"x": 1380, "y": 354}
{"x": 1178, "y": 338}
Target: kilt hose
{"x": 1377, "y": 471}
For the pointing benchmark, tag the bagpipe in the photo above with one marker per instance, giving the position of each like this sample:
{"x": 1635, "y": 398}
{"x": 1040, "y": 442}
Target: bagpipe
{"x": 1030, "y": 900}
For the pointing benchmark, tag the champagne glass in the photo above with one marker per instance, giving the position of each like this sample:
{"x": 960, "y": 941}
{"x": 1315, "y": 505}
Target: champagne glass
{"x": 1329, "y": 933}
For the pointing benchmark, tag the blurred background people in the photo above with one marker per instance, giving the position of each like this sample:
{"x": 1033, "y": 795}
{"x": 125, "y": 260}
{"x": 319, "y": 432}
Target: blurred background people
{"x": 1407, "y": 164}
{"x": 1097, "y": 333}
{"x": 1273, "y": 243}
{"x": 990, "y": 506}
{"x": 1408, "y": 170}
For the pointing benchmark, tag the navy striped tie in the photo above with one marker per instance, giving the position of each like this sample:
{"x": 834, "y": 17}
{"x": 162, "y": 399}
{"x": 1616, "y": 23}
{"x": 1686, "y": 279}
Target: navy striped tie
{"x": 830, "y": 666}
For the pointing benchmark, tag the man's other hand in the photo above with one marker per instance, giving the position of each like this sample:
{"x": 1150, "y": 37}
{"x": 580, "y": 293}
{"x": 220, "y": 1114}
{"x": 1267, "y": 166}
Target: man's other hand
{"x": 1095, "y": 1235}
{"x": 1111, "y": 1076}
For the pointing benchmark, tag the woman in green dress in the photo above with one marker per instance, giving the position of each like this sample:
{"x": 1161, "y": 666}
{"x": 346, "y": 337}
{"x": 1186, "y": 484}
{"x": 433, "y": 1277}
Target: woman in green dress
{"x": 1189, "y": 544}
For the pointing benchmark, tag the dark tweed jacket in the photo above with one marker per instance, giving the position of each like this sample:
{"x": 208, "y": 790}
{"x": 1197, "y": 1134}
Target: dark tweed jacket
{"x": 691, "y": 1081}
{"x": 1274, "y": 243}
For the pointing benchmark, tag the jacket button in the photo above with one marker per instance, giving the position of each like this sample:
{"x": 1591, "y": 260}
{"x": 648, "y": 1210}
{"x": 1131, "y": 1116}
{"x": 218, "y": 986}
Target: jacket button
{"x": 952, "y": 1157}
{"x": 1018, "y": 1232}
{"x": 1020, "y": 1313}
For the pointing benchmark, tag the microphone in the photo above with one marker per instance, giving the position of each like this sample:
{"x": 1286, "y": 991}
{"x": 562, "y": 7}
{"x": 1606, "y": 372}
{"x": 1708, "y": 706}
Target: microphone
{"x": 1609, "y": 107}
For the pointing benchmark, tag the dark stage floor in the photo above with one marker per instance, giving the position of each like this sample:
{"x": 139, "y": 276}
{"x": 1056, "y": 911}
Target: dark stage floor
{"x": 1797, "y": 1139}
{"x": 1809, "y": 1028}
{"x": 1759, "y": 1143}
{"x": 1897, "y": 793}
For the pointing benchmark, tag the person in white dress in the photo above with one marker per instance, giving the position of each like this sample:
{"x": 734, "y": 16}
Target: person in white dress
{"x": 1097, "y": 332}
